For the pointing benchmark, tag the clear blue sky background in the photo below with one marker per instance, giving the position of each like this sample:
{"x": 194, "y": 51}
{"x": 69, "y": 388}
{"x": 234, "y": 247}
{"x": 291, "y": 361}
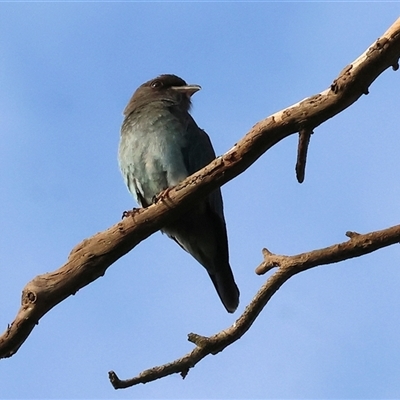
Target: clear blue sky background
{"x": 67, "y": 71}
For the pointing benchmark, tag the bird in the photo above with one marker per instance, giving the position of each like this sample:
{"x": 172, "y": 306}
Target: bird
{"x": 161, "y": 145}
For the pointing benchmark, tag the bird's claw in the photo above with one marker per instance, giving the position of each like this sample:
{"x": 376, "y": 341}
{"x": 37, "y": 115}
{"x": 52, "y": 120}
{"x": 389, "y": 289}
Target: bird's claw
{"x": 161, "y": 196}
{"x": 129, "y": 213}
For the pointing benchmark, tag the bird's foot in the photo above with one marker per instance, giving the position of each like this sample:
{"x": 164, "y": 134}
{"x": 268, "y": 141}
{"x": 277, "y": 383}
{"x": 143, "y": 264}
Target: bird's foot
{"x": 129, "y": 213}
{"x": 161, "y": 196}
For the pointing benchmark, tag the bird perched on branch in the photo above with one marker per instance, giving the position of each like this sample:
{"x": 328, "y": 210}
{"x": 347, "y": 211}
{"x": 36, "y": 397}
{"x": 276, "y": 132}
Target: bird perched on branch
{"x": 160, "y": 146}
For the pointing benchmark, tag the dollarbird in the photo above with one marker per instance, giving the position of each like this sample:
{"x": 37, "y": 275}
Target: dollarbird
{"x": 161, "y": 145}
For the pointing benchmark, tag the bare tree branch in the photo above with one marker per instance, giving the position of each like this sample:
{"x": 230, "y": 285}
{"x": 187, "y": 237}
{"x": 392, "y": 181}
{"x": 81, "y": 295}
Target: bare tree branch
{"x": 356, "y": 246}
{"x": 90, "y": 259}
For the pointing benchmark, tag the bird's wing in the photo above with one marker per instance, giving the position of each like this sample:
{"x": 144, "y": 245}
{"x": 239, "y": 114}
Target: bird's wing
{"x": 203, "y": 231}
{"x": 197, "y": 154}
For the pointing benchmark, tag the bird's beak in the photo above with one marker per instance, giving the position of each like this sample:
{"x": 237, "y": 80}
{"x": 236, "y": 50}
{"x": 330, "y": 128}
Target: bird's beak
{"x": 189, "y": 90}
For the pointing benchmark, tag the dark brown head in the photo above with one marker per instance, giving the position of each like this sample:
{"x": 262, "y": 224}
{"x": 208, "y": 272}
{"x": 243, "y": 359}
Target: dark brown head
{"x": 168, "y": 87}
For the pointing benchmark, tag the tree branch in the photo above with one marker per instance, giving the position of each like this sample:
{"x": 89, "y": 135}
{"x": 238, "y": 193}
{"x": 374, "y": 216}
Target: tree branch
{"x": 356, "y": 246}
{"x": 90, "y": 259}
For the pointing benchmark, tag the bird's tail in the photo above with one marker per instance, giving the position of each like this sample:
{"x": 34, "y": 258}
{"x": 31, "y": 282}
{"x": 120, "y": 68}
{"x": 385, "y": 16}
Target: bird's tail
{"x": 226, "y": 287}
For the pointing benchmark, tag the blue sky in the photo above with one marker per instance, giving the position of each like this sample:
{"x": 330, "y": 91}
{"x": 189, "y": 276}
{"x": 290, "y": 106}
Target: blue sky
{"x": 67, "y": 71}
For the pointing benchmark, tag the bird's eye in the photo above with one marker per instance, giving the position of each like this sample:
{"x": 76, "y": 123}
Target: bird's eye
{"x": 156, "y": 84}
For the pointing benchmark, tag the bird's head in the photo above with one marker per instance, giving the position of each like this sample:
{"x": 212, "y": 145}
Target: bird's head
{"x": 164, "y": 87}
